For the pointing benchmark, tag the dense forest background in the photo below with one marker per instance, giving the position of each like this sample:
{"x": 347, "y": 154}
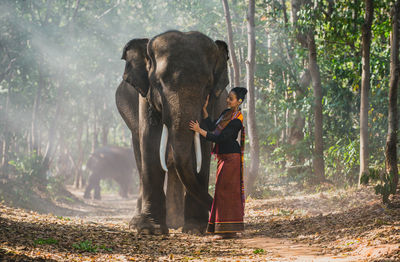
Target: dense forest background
{"x": 60, "y": 64}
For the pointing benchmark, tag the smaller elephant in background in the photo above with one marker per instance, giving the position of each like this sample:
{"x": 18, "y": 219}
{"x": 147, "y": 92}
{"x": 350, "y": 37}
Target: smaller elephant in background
{"x": 111, "y": 162}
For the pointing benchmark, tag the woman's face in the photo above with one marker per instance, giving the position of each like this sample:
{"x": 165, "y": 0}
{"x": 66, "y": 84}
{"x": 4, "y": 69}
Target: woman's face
{"x": 232, "y": 101}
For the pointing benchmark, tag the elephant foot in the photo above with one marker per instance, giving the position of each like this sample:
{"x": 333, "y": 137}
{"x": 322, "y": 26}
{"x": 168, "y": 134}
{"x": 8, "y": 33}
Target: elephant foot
{"x": 146, "y": 226}
{"x": 97, "y": 197}
{"x": 194, "y": 227}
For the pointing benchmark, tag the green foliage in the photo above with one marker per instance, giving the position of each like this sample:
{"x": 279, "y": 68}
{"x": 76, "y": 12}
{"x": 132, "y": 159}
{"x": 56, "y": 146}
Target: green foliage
{"x": 87, "y": 246}
{"x": 28, "y": 169}
{"x": 28, "y": 175}
{"x": 69, "y": 55}
{"x": 64, "y": 218}
{"x": 342, "y": 162}
{"x": 258, "y": 251}
{"x": 55, "y": 186}
{"x": 45, "y": 241}
{"x": 383, "y": 180}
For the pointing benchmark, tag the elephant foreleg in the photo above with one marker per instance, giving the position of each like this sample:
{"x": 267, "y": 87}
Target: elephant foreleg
{"x": 97, "y": 189}
{"x": 151, "y": 217}
{"x": 87, "y": 191}
{"x": 91, "y": 185}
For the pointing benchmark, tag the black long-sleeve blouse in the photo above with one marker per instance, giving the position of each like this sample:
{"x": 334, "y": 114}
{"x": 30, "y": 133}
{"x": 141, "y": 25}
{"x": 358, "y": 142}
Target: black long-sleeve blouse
{"x": 226, "y": 140}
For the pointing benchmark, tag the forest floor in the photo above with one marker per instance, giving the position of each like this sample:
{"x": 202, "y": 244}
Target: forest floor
{"x": 347, "y": 225}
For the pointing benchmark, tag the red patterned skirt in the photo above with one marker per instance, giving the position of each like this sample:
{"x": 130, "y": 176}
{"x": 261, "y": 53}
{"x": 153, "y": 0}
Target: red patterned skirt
{"x": 227, "y": 210}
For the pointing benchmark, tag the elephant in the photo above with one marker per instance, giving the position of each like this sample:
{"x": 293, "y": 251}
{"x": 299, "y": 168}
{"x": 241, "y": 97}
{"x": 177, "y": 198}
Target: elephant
{"x": 111, "y": 162}
{"x": 165, "y": 85}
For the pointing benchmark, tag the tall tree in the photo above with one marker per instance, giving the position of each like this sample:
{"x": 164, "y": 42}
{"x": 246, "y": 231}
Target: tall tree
{"x": 365, "y": 86}
{"x": 391, "y": 138}
{"x": 307, "y": 39}
{"x": 35, "y": 136}
{"x": 318, "y": 162}
{"x": 251, "y": 116}
{"x": 231, "y": 45}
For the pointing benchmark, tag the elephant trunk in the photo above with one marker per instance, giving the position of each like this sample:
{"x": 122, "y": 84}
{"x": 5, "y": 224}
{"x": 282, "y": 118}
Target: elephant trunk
{"x": 184, "y": 151}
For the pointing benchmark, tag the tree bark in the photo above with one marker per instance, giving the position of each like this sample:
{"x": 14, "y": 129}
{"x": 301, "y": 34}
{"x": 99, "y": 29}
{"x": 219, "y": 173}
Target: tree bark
{"x": 365, "y": 86}
{"x": 318, "y": 162}
{"x": 95, "y": 141}
{"x": 78, "y": 167}
{"x": 231, "y": 45}
{"x": 251, "y": 118}
{"x": 296, "y": 133}
{"x": 308, "y": 40}
{"x": 49, "y": 154}
{"x": 391, "y": 138}
{"x": 104, "y": 134}
{"x": 35, "y": 141}
{"x": 7, "y": 137}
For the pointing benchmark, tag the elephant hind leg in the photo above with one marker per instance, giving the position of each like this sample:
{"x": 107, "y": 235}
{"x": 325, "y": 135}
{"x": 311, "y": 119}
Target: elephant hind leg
{"x": 94, "y": 183}
{"x": 86, "y": 195}
{"x": 89, "y": 188}
{"x": 97, "y": 191}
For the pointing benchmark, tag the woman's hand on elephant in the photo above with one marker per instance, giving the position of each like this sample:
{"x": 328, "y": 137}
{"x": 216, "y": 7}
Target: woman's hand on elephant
{"x": 194, "y": 126}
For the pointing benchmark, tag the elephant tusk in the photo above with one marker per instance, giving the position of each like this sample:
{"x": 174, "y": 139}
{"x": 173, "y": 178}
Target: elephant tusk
{"x": 197, "y": 148}
{"x": 163, "y": 147}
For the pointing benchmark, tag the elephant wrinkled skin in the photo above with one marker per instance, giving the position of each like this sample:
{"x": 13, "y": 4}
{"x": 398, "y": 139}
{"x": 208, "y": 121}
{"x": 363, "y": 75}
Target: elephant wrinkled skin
{"x": 165, "y": 84}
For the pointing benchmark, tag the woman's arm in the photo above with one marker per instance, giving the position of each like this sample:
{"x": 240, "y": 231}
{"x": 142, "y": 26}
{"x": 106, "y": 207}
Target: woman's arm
{"x": 205, "y": 113}
{"x": 231, "y": 130}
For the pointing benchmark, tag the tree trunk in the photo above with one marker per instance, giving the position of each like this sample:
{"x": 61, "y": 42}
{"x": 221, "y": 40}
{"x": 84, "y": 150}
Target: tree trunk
{"x": 296, "y": 133}
{"x": 49, "y": 154}
{"x": 391, "y": 138}
{"x": 318, "y": 162}
{"x": 104, "y": 134}
{"x": 308, "y": 40}
{"x": 236, "y": 71}
{"x": 251, "y": 118}
{"x": 365, "y": 86}
{"x": 7, "y": 138}
{"x": 95, "y": 141}
{"x": 78, "y": 167}
{"x": 35, "y": 143}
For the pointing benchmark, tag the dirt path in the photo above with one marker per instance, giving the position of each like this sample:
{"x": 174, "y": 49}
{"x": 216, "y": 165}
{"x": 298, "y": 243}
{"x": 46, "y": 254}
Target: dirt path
{"x": 111, "y": 207}
{"x": 336, "y": 226}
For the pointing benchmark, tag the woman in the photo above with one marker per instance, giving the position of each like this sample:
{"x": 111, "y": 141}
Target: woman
{"x": 227, "y": 211}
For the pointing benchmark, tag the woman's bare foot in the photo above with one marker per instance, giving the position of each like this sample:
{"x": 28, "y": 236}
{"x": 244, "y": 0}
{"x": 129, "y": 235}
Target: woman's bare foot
{"x": 224, "y": 236}
{"x": 217, "y": 237}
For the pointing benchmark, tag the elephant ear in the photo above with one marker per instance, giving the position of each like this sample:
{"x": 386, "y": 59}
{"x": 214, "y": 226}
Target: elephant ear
{"x": 221, "y": 79}
{"x": 136, "y": 74}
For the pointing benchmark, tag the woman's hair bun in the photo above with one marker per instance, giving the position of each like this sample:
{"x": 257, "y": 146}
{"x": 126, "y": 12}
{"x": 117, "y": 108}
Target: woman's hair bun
{"x": 240, "y": 92}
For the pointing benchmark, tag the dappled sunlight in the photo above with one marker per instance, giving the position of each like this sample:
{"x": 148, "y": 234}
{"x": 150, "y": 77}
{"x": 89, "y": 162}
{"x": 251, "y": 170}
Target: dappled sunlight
{"x": 320, "y": 149}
